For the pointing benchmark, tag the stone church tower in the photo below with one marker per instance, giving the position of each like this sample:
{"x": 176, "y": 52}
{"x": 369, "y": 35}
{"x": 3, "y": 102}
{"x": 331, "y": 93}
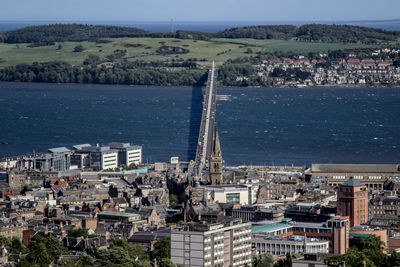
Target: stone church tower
{"x": 216, "y": 161}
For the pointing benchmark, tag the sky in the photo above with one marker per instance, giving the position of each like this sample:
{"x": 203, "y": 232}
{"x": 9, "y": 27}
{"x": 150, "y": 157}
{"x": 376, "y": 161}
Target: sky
{"x": 198, "y": 10}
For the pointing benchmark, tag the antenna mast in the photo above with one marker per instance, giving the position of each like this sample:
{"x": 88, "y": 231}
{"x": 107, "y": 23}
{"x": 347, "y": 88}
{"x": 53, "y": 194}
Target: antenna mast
{"x": 172, "y": 26}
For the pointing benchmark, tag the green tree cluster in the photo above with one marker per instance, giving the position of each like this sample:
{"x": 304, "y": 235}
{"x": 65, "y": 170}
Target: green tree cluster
{"x": 344, "y": 34}
{"x": 83, "y": 261}
{"x": 92, "y": 60}
{"x": 229, "y": 72}
{"x": 14, "y": 245}
{"x": 62, "y": 72}
{"x": 264, "y": 260}
{"x": 162, "y": 249}
{"x": 121, "y": 253}
{"x": 260, "y": 32}
{"x": 49, "y": 34}
{"x": 131, "y": 166}
{"x": 368, "y": 253}
{"x": 173, "y": 201}
{"x": 79, "y": 232}
{"x": 69, "y": 32}
{"x": 313, "y": 33}
{"x": 79, "y": 48}
{"x": 42, "y": 251}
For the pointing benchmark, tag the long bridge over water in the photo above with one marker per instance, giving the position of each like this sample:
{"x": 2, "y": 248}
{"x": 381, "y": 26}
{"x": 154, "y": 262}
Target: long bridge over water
{"x": 207, "y": 127}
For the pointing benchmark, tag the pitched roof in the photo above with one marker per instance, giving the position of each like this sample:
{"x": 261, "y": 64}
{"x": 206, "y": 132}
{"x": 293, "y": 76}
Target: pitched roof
{"x": 352, "y": 183}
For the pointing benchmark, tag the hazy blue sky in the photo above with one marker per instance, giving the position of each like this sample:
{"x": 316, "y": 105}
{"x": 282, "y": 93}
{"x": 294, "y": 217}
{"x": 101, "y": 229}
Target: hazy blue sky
{"x": 198, "y": 10}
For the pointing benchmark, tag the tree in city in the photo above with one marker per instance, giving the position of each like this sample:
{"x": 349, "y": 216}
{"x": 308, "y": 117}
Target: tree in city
{"x": 16, "y": 246}
{"x": 138, "y": 251}
{"x": 369, "y": 252}
{"x": 114, "y": 256}
{"x": 84, "y": 261}
{"x": 165, "y": 262}
{"x": 42, "y": 250}
{"x": 4, "y": 241}
{"x": 264, "y": 260}
{"x": 173, "y": 201}
{"x": 162, "y": 249}
{"x": 37, "y": 256}
{"x": 286, "y": 262}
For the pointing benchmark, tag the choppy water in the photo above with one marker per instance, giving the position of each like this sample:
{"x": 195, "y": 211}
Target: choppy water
{"x": 257, "y": 126}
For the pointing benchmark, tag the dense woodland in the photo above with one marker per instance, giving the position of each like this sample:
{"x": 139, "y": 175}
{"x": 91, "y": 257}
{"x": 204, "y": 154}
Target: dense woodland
{"x": 68, "y": 32}
{"x": 344, "y": 34}
{"x": 62, "y": 72}
{"x": 284, "y": 32}
{"x": 309, "y": 32}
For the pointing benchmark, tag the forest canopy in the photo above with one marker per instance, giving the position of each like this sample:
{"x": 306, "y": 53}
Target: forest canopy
{"x": 307, "y": 32}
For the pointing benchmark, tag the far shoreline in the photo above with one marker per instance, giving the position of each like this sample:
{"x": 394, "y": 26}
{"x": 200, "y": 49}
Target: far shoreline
{"x": 131, "y": 86}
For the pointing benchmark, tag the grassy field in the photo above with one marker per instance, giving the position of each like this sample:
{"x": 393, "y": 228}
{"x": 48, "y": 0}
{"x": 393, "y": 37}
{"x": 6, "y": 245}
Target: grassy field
{"x": 146, "y": 49}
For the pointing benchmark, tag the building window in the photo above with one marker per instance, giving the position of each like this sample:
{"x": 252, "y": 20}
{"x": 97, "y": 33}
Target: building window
{"x": 233, "y": 198}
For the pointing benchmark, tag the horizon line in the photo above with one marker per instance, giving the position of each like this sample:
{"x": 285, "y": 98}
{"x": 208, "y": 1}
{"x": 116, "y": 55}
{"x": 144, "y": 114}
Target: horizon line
{"x": 201, "y": 21}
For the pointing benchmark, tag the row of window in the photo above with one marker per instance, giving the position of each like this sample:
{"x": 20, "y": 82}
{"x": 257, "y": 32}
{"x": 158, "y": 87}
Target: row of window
{"x": 358, "y": 177}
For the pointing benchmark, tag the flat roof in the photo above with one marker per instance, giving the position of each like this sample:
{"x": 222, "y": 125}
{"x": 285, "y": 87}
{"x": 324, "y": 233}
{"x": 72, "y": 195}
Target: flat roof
{"x": 310, "y": 224}
{"x": 356, "y": 168}
{"x": 62, "y": 149}
{"x": 79, "y": 147}
{"x": 103, "y": 149}
{"x": 123, "y": 145}
{"x": 270, "y": 227}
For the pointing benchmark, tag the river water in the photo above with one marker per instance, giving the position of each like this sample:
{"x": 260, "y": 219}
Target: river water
{"x": 274, "y": 126}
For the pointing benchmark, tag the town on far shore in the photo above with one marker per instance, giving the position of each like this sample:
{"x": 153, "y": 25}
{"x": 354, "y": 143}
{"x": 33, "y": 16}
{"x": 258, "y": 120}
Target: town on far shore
{"x": 360, "y": 67}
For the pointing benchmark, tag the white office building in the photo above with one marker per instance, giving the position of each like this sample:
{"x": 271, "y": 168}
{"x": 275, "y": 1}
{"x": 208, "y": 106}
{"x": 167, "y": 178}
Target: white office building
{"x": 127, "y": 153}
{"x": 95, "y": 157}
{"x": 280, "y": 246}
{"x": 244, "y": 194}
{"x": 109, "y": 159}
{"x": 212, "y": 244}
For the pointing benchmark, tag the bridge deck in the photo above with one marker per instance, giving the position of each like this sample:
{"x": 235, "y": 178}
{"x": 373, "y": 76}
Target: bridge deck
{"x": 207, "y": 126}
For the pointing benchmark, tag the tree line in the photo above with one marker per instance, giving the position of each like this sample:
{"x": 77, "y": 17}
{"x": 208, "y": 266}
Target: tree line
{"x": 68, "y": 32}
{"x": 310, "y": 32}
{"x": 62, "y": 72}
{"x": 344, "y": 34}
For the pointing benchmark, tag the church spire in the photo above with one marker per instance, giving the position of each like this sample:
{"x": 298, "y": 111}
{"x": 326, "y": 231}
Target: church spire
{"x": 216, "y": 146}
{"x": 215, "y": 162}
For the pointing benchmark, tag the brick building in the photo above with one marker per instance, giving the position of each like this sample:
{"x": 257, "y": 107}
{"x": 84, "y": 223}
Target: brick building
{"x": 352, "y": 201}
